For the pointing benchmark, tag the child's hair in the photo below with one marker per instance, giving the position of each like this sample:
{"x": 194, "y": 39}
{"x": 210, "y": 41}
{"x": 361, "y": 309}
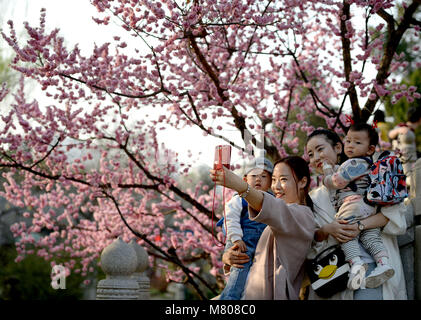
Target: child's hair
{"x": 332, "y": 137}
{"x": 371, "y": 132}
{"x": 300, "y": 169}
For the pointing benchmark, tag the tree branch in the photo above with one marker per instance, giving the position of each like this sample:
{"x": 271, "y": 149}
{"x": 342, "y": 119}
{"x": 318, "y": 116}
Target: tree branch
{"x": 313, "y": 94}
{"x": 173, "y": 188}
{"x": 250, "y": 44}
{"x": 191, "y": 215}
{"x": 139, "y": 96}
{"x": 346, "y": 53}
{"x": 171, "y": 256}
{"x": 57, "y": 177}
{"x": 47, "y": 154}
{"x": 394, "y": 37}
{"x": 199, "y": 123}
{"x": 239, "y": 121}
{"x": 291, "y": 90}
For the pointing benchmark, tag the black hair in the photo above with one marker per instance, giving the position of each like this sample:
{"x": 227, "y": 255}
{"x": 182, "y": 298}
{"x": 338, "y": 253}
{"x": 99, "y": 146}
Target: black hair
{"x": 414, "y": 114}
{"x": 379, "y": 116}
{"x": 332, "y": 137}
{"x": 300, "y": 169}
{"x": 373, "y": 135}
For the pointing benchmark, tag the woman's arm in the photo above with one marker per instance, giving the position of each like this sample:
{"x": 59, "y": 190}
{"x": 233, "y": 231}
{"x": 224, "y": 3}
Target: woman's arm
{"x": 234, "y": 182}
{"x": 340, "y": 230}
{"x": 375, "y": 221}
{"x": 294, "y": 220}
{"x": 397, "y": 216}
{"x": 344, "y": 232}
{"x": 397, "y": 131}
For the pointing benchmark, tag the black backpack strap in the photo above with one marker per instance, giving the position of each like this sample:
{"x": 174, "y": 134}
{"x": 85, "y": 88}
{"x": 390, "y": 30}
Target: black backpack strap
{"x": 385, "y": 153}
{"x": 369, "y": 160}
{"x": 353, "y": 186}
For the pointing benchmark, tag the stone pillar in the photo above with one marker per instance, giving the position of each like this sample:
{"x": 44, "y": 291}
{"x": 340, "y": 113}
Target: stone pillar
{"x": 139, "y": 274}
{"x": 416, "y": 186}
{"x": 406, "y": 250}
{"x": 118, "y": 261}
{"x": 409, "y": 243}
{"x": 417, "y": 272}
{"x": 416, "y": 190}
{"x": 407, "y": 146}
{"x": 176, "y": 290}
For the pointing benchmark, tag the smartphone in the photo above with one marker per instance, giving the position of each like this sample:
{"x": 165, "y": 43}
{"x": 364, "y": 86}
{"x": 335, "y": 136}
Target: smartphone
{"x": 222, "y": 156}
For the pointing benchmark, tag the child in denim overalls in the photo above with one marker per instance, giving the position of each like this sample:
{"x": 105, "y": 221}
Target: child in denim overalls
{"x": 241, "y": 230}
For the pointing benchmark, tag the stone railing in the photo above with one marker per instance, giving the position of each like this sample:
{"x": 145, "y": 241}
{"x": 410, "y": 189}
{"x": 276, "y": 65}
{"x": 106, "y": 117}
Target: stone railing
{"x": 410, "y": 242}
{"x": 416, "y": 183}
{"x": 124, "y": 265}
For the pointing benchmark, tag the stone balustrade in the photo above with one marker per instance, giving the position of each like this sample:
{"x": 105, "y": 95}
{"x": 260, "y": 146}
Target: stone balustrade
{"x": 410, "y": 242}
{"x": 416, "y": 203}
{"x": 139, "y": 274}
{"x": 124, "y": 265}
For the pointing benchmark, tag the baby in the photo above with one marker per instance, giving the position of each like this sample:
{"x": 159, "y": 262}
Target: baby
{"x": 240, "y": 229}
{"x": 351, "y": 181}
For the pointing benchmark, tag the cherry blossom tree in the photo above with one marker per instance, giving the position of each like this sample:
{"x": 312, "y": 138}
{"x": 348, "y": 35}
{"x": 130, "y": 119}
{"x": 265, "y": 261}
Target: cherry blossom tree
{"x": 242, "y": 65}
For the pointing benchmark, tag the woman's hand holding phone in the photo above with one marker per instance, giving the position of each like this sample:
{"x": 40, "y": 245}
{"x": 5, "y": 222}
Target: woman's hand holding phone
{"x": 227, "y": 178}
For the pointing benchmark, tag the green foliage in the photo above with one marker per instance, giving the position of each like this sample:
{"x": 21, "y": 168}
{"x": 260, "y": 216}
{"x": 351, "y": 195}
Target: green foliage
{"x": 30, "y": 279}
{"x": 400, "y": 109}
{"x": 6, "y": 73}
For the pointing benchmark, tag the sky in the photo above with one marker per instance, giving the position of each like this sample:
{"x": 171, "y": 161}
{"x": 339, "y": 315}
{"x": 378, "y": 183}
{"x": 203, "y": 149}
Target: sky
{"x": 73, "y": 18}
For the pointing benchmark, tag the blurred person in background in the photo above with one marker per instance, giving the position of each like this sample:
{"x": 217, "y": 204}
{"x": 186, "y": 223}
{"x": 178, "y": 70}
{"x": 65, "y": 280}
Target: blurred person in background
{"x": 404, "y": 139}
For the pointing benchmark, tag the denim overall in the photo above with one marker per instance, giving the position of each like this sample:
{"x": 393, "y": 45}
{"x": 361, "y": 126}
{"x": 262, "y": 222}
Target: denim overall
{"x": 251, "y": 234}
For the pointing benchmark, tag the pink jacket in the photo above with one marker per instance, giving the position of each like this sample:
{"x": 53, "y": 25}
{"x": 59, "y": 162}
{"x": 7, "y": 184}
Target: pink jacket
{"x": 277, "y": 270}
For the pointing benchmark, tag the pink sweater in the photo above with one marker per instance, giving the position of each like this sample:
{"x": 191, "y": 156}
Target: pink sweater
{"x": 277, "y": 270}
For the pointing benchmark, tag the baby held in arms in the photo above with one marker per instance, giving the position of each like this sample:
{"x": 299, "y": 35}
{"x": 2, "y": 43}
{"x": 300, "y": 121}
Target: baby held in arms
{"x": 349, "y": 183}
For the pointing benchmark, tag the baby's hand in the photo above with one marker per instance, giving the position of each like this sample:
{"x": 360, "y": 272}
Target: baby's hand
{"x": 327, "y": 168}
{"x": 241, "y": 245}
{"x": 328, "y": 162}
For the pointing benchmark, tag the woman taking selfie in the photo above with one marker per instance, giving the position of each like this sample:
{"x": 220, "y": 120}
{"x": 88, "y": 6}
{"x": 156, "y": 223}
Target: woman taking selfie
{"x": 277, "y": 270}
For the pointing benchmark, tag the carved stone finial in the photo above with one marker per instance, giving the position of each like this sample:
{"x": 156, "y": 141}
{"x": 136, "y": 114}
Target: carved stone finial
{"x": 119, "y": 258}
{"x": 118, "y": 261}
{"x": 142, "y": 264}
{"x": 142, "y": 257}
